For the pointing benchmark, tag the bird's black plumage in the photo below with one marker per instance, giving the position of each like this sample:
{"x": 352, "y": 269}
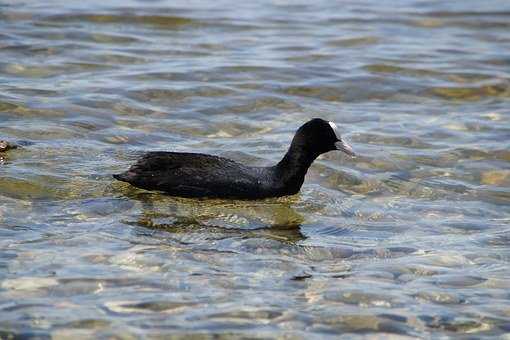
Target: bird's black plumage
{"x": 199, "y": 175}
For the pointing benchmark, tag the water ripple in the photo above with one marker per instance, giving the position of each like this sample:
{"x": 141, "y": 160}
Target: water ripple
{"x": 409, "y": 239}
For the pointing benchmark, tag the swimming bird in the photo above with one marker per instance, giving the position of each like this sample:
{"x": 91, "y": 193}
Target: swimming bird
{"x": 199, "y": 175}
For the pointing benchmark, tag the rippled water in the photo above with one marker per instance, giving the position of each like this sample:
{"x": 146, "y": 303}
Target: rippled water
{"x": 412, "y": 238}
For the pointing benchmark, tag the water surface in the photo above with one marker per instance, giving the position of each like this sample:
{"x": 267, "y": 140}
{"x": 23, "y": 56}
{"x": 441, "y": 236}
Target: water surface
{"x": 411, "y": 238}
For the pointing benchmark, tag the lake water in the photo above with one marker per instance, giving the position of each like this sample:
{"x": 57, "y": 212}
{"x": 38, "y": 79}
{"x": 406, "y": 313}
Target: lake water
{"x": 409, "y": 239}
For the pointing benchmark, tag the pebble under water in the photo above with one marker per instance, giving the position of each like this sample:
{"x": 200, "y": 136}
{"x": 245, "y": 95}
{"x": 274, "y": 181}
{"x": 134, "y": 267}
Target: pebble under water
{"x": 409, "y": 239}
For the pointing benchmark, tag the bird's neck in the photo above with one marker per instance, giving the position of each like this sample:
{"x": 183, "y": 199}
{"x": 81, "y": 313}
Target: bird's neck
{"x": 294, "y": 165}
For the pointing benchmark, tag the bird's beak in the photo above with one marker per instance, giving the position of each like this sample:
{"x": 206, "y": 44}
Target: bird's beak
{"x": 340, "y": 144}
{"x": 343, "y": 146}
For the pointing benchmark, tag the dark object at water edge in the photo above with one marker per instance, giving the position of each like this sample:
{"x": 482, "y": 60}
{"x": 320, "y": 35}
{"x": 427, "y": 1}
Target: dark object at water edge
{"x": 199, "y": 175}
{"x": 6, "y": 146}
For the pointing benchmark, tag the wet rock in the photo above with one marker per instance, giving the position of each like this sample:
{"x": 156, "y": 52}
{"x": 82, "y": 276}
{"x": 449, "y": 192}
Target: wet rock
{"x": 6, "y": 146}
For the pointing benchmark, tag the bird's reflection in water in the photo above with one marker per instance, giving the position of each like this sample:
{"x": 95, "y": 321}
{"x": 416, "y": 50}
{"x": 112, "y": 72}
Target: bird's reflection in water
{"x": 218, "y": 219}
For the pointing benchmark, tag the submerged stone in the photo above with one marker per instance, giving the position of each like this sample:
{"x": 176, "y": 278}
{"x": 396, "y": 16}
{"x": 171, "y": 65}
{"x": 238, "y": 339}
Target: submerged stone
{"x": 495, "y": 177}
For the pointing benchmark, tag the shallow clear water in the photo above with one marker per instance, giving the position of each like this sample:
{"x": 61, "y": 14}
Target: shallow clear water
{"x": 411, "y": 238}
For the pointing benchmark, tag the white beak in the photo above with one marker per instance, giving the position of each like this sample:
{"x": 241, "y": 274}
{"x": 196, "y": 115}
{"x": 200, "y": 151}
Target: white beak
{"x": 343, "y": 146}
{"x": 340, "y": 144}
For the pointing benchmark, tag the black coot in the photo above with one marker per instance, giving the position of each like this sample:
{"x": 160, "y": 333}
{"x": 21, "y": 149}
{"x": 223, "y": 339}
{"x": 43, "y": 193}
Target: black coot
{"x": 199, "y": 175}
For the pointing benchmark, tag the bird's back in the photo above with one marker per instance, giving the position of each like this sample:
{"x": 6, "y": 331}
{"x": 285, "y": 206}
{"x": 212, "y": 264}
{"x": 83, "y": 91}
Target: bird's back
{"x": 195, "y": 175}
